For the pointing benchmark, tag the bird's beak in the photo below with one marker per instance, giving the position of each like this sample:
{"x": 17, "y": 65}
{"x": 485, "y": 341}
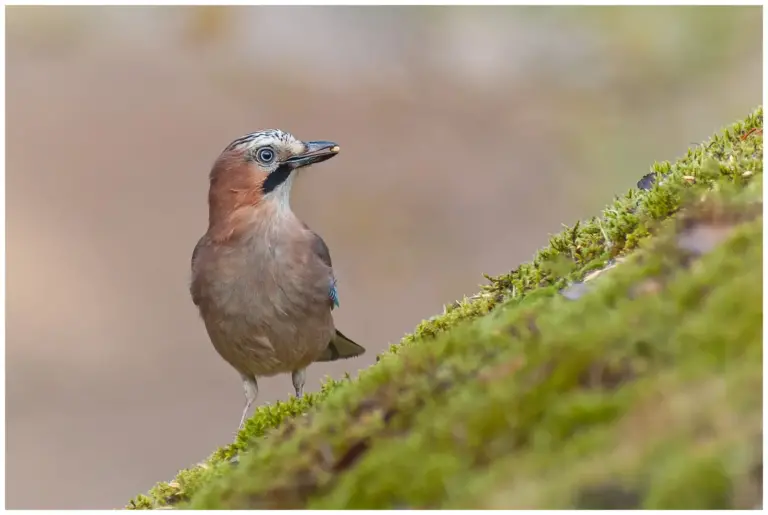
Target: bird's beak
{"x": 314, "y": 152}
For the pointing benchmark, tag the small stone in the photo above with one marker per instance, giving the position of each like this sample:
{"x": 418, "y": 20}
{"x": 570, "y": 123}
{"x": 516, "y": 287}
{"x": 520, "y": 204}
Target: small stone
{"x": 647, "y": 181}
{"x": 594, "y": 273}
{"x": 575, "y": 291}
{"x": 702, "y": 238}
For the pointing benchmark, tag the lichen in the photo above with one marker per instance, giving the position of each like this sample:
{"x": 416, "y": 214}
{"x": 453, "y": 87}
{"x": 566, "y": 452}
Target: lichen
{"x": 644, "y": 391}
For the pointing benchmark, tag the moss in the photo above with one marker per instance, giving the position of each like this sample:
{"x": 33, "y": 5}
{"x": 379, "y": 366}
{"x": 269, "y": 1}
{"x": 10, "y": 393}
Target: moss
{"x": 684, "y": 484}
{"x": 643, "y": 392}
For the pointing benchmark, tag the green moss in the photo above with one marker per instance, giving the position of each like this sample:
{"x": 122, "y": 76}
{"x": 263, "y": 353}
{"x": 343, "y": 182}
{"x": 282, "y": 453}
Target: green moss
{"x": 645, "y": 392}
{"x": 691, "y": 484}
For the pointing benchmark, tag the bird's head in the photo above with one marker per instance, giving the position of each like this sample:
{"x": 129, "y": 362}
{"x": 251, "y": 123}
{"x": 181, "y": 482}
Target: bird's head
{"x": 258, "y": 169}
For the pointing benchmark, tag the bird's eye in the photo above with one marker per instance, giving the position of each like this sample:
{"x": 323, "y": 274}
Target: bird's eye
{"x": 265, "y": 155}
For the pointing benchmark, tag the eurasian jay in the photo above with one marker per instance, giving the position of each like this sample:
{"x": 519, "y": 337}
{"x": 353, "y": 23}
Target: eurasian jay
{"x": 261, "y": 278}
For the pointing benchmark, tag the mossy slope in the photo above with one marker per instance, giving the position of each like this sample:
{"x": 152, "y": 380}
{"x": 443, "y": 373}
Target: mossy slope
{"x": 645, "y": 391}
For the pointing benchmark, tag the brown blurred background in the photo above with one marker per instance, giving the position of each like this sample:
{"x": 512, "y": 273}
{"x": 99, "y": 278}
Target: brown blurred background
{"x": 468, "y": 135}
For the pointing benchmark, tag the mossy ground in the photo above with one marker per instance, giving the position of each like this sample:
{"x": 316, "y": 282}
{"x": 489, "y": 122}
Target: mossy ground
{"x": 645, "y": 392}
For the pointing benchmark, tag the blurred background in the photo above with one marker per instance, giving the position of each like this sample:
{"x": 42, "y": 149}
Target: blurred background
{"x": 468, "y": 135}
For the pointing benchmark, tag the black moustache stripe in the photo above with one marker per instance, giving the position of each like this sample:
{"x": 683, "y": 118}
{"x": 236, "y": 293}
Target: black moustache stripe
{"x": 276, "y": 178}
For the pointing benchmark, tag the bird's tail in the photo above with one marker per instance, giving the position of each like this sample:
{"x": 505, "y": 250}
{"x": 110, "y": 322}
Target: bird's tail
{"x": 341, "y": 347}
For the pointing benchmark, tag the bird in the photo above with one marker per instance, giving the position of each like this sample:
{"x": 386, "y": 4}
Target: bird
{"x": 262, "y": 280}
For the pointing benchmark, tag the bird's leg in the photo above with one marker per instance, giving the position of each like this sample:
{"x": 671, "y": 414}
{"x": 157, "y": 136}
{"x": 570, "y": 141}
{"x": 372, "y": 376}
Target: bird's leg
{"x": 251, "y": 389}
{"x": 298, "y": 377}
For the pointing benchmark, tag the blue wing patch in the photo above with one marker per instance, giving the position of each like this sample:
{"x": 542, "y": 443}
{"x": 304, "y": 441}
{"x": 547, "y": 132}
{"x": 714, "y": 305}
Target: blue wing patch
{"x": 333, "y": 295}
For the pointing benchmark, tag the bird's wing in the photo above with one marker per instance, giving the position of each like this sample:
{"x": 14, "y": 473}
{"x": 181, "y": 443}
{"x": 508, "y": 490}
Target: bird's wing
{"x": 340, "y": 347}
{"x": 193, "y": 289}
{"x": 321, "y": 250}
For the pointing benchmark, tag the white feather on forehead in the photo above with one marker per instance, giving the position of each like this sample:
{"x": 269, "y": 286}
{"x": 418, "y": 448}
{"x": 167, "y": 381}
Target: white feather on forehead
{"x": 274, "y": 137}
